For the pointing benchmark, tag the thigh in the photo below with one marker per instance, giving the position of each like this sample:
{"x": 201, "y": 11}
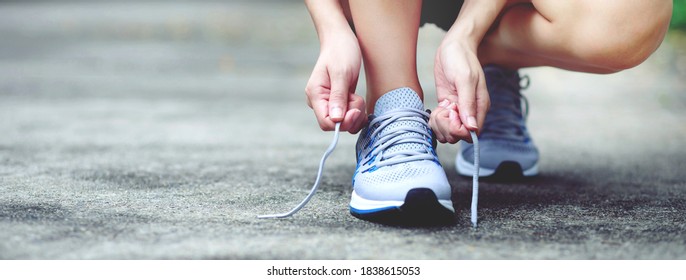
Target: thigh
{"x": 626, "y": 31}
{"x": 581, "y": 35}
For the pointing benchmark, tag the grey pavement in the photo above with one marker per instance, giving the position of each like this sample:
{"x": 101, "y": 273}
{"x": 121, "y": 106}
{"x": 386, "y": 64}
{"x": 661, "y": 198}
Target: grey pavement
{"x": 160, "y": 130}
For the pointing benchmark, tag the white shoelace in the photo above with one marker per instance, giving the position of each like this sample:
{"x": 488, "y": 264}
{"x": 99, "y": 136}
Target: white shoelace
{"x": 475, "y": 178}
{"x": 316, "y": 182}
{"x": 332, "y": 146}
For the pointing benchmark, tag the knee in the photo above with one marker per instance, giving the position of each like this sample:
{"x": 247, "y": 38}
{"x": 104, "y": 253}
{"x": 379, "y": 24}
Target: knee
{"x": 621, "y": 42}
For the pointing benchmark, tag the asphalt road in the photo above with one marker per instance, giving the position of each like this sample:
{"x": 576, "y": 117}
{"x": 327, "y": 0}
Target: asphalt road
{"x": 160, "y": 130}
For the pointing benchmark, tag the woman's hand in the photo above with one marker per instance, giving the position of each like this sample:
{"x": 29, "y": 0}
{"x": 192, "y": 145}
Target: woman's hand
{"x": 460, "y": 81}
{"x": 461, "y": 90}
{"x": 331, "y": 87}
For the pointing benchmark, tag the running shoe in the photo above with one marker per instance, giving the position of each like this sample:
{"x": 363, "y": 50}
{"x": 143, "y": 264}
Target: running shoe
{"x": 398, "y": 179}
{"x": 507, "y": 150}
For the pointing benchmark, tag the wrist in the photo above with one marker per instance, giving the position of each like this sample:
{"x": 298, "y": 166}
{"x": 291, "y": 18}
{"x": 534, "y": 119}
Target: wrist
{"x": 334, "y": 34}
{"x": 474, "y": 21}
{"x": 329, "y": 20}
{"x": 460, "y": 41}
{"x": 463, "y": 35}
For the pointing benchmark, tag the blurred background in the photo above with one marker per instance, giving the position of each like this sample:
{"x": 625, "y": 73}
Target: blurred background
{"x": 159, "y": 51}
{"x": 679, "y": 15}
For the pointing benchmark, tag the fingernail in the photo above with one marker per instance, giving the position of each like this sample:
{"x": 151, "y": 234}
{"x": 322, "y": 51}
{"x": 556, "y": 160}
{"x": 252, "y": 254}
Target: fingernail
{"x": 471, "y": 121}
{"x": 336, "y": 113}
{"x": 444, "y": 103}
{"x": 452, "y": 115}
{"x": 356, "y": 113}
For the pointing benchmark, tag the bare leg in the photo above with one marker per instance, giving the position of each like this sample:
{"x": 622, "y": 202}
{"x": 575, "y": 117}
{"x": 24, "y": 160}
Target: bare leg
{"x": 387, "y": 32}
{"x": 579, "y": 35}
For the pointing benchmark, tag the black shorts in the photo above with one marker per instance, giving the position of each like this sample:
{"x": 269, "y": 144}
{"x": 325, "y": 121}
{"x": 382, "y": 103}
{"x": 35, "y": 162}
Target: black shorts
{"x": 442, "y": 13}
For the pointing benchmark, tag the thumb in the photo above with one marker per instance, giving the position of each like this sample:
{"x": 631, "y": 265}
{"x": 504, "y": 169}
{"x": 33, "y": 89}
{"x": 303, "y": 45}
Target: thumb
{"x": 338, "y": 98}
{"x": 467, "y": 102}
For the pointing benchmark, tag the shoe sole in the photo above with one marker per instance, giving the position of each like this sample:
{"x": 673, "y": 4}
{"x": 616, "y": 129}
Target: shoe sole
{"x": 421, "y": 207}
{"x": 505, "y": 170}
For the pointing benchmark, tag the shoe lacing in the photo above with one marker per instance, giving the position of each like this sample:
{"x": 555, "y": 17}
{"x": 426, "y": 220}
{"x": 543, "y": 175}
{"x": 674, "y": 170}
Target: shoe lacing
{"x": 393, "y": 137}
{"x": 509, "y": 109}
{"x": 309, "y": 196}
{"x": 377, "y": 148}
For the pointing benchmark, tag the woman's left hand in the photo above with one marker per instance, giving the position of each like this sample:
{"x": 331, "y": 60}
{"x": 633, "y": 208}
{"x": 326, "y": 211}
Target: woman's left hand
{"x": 461, "y": 89}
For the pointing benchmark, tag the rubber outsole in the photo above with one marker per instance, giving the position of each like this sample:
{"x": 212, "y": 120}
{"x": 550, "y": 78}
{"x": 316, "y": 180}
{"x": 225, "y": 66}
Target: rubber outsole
{"x": 506, "y": 171}
{"x": 420, "y": 208}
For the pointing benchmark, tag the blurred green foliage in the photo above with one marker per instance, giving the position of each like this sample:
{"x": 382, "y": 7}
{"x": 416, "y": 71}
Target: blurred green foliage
{"x": 679, "y": 15}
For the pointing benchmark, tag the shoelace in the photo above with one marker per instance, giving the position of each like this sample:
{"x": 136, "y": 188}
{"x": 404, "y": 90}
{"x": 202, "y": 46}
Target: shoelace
{"x": 506, "y": 111}
{"x": 332, "y": 146}
{"x": 475, "y": 179}
{"x": 398, "y": 135}
{"x": 316, "y": 182}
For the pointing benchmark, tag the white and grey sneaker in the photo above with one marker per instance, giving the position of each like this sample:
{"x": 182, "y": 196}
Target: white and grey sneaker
{"x": 398, "y": 179}
{"x": 507, "y": 151}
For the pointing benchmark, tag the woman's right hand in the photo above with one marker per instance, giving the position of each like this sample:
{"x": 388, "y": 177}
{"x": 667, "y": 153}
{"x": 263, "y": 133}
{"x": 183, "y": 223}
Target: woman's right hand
{"x": 331, "y": 87}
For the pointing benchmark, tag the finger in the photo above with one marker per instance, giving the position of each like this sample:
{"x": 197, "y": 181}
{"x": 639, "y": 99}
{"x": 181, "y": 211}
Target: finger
{"x": 349, "y": 120}
{"x": 443, "y": 104}
{"x": 443, "y": 94}
{"x": 483, "y": 103}
{"x": 443, "y": 124}
{"x": 433, "y": 123}
{"x": 356, "y": 102}
{"x": 321, "y": 112}
{"x": 457, "y": 129}
{"x": 449, "y": 102}
{"x": 360, "y": 122}
{"x": 354, "y": 121}
{"x": 338, "y": 98}
{"x": 466, "y": 95}
{"x": 454, "y": 126}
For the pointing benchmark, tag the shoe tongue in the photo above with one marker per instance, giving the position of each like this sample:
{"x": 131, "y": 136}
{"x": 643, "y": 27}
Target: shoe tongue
{"x": 503, "y": 86}
{"x": 396, "y": 99}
